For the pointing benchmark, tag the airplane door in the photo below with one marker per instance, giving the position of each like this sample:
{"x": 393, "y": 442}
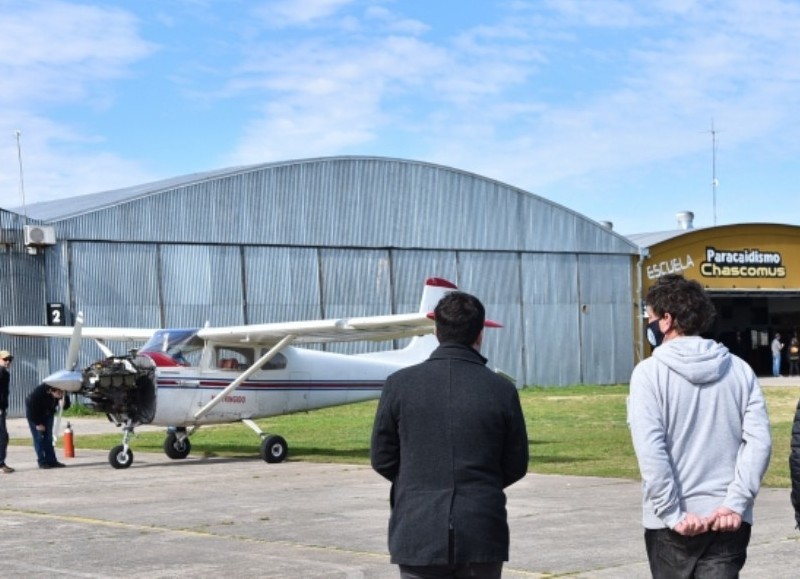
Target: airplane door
{"x": 299, "y": 399}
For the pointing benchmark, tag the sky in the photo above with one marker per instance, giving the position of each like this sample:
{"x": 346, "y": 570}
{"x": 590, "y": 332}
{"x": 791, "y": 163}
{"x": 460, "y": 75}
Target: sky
{"x": 624, "y": 111}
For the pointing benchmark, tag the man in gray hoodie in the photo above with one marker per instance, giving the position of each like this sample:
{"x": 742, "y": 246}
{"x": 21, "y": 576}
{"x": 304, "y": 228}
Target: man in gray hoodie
{"x": 701, "y": 435}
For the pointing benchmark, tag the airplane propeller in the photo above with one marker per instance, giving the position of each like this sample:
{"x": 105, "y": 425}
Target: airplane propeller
{"x": 67, "y": 379}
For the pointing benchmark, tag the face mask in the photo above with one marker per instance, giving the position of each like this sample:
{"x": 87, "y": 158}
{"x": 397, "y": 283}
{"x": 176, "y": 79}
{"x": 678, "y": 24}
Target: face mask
{"x": 654, "y": 335}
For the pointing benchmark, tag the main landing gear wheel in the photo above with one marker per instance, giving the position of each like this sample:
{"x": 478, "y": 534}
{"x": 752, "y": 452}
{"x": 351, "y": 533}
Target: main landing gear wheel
{"x": 274, "y": 448}
{"x": 119, "y": 457}
{"x": 176, "y": 448}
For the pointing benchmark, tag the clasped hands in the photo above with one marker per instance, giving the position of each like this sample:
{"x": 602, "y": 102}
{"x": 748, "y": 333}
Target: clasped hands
{"x": 722, "y": 519}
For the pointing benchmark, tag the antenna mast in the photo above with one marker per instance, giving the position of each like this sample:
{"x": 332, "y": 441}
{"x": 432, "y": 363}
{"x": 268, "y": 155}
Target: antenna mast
{"x": 714, "y": 181}
{"x": 18, "y": 133}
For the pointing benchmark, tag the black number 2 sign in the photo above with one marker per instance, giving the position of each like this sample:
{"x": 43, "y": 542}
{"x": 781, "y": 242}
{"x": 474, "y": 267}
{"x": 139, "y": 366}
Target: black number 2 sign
{"x": 55, "y": 315}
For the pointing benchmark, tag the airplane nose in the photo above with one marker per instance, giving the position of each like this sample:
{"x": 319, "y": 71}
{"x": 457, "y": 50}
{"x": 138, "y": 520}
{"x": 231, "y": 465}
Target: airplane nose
{"x": 66, "y": 380}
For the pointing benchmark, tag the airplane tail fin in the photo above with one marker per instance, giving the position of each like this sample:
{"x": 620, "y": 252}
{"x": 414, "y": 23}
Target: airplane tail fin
{"x": 420, "y": 347}
{"x": 435, "y": 289}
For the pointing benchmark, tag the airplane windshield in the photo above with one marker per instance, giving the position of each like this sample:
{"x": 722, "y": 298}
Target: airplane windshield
{"x": 182, "y": 345}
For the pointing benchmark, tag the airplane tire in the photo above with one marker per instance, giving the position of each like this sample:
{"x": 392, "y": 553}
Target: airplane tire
{"x": 118, "y": 458}
{"x": 176, "y": 448}
{"x": 274, "y": 449}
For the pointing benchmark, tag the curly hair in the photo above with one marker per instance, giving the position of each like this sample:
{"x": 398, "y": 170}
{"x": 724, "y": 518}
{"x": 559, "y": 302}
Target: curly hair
{"x": 685, "y": 300}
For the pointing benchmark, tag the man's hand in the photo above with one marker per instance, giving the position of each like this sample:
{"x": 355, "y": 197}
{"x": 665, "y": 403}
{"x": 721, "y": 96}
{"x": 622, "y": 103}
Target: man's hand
{"x": 724, "y": 519}
{"x": 691, "y": 525}
{"x": 40, "y": 427}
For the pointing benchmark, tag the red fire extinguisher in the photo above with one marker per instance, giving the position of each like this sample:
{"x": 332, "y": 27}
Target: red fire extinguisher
{"x": 69, "y": 446}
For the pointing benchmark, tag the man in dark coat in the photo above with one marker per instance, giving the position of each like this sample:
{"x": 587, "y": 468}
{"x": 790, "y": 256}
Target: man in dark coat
{"x": 5, "y": 378}
{"x": 450, "y": 435}
{"x": 41, "y": 406}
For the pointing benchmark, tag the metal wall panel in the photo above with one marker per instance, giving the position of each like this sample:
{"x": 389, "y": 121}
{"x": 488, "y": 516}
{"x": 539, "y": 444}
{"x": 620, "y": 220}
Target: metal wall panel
{"x": 355, "y": 283}
{"x": 22, "y": 290}
{"x": 606, "y": 319}
{"x": 550, "y": 311}
{"x": 116, "y": 284}
{"x": 202, "y": 283}
{"x": 282, "y": 284}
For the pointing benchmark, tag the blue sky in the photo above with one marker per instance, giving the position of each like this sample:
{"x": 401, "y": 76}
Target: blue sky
{"x": 603, "y": 106}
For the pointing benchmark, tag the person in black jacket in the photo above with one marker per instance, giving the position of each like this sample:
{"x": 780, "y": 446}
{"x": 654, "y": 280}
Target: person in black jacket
{"x": 450, "y": 435}
{"x": 794, "y": 465}
{"x": 41, "y": 406}
{"x": 5, "y": 378}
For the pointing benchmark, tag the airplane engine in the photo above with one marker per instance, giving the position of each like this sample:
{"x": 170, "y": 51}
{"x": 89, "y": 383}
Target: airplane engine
{"x": 122, "y": 387}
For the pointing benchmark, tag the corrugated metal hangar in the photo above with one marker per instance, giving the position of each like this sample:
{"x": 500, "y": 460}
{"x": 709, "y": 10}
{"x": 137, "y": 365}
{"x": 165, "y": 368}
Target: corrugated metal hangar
{"x": 325, "y": 238}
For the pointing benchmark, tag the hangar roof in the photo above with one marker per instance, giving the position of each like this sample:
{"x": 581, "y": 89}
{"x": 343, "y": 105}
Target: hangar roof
{"x": 650, "y": 239}
{"x": 59, "y": 209}
{"x": 347, "y": 201}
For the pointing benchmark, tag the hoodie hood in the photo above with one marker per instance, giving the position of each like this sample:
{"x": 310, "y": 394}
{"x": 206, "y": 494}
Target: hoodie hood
{"x": 697, "y": 359}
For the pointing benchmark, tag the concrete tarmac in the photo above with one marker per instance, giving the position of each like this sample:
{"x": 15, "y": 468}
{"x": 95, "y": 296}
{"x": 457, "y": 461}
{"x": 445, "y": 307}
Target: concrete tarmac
{"x": 203, "y": 517}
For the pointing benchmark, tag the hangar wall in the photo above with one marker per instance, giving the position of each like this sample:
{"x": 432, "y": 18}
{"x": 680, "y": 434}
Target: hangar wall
{"x": 22, "y": 298}
{"x": 349, "y": 236}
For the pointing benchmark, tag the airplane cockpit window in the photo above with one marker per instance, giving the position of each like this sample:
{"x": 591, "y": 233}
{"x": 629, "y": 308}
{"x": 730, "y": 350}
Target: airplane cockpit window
{"x": 183, "y": 346}
{"x": 231, "y": 358}
{"x": 278, "y": 362}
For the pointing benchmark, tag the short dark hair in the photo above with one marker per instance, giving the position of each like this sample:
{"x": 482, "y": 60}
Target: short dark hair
{"x": 459, "y": 318}
{"x": 685, "y": 300}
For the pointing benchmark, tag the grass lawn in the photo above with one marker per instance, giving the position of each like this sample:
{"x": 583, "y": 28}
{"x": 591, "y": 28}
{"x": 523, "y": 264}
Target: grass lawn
{"x": 579, "y": 430}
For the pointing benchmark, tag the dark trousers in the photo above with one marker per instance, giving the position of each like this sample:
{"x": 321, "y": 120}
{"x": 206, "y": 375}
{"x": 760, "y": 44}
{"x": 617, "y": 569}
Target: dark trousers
{"x": 462, "y": 571}
{"x": 3, "y": 437}
{"x": 43, "y": 442}
{"x": 712, "y": 555}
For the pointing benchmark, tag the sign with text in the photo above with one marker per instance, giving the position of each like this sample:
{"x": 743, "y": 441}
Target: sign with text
{"x": 55, "y": 315}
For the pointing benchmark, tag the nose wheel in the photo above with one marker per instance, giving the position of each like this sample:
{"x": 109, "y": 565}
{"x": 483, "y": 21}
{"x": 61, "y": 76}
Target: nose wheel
{"x": 120, "y": 457}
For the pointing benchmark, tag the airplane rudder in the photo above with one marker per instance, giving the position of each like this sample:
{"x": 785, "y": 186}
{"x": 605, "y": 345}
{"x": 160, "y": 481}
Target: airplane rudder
{"x": 435, "y": 288}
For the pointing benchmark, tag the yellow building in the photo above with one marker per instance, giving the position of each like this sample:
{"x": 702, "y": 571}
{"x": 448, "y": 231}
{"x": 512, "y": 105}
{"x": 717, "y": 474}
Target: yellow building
{"x": 751, "y": 270}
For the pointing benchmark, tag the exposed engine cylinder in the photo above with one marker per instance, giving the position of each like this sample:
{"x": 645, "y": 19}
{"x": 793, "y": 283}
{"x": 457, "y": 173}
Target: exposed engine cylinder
{"x": 122, "y": 387}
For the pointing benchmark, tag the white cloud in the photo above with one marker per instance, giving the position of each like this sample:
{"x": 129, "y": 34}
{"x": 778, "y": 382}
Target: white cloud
{"x": 284, "y": 13}
{"x": 54, "y": 54}
{"x": 53, "y": 51}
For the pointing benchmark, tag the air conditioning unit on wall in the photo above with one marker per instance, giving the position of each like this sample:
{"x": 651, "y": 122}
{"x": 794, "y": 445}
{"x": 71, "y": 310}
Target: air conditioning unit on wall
{"x": 39, "y": 235}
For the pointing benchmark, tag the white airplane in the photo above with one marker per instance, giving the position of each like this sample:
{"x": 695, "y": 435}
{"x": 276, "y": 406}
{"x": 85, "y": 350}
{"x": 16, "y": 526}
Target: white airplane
{"x": 185, "y": 378}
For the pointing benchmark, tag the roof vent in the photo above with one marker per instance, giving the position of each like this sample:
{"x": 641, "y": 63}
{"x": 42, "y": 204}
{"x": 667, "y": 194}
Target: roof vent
{"x": 607, "y": 224}
{"x": 685, "y": 220}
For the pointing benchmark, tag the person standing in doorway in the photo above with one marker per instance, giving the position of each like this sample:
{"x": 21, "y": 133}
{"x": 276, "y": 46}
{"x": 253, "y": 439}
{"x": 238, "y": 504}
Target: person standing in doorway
{"x": 5, "y": 381}
{"x": 794, "y": 356}
{"x": 41, "y": 406}
{"x": 776, "y": 346}
{"x": 702, "y": 438}
{"x": 450, "y": 435}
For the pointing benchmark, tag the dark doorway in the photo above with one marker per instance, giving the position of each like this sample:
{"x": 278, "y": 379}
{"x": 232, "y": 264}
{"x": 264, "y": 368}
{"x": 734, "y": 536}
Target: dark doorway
{"x": 747, "y": 322}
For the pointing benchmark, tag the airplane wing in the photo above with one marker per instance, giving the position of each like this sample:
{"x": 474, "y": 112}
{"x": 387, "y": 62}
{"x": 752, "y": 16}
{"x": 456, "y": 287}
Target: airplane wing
{"x": 66, "y": 332}
{"x": 375, "y": 328}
